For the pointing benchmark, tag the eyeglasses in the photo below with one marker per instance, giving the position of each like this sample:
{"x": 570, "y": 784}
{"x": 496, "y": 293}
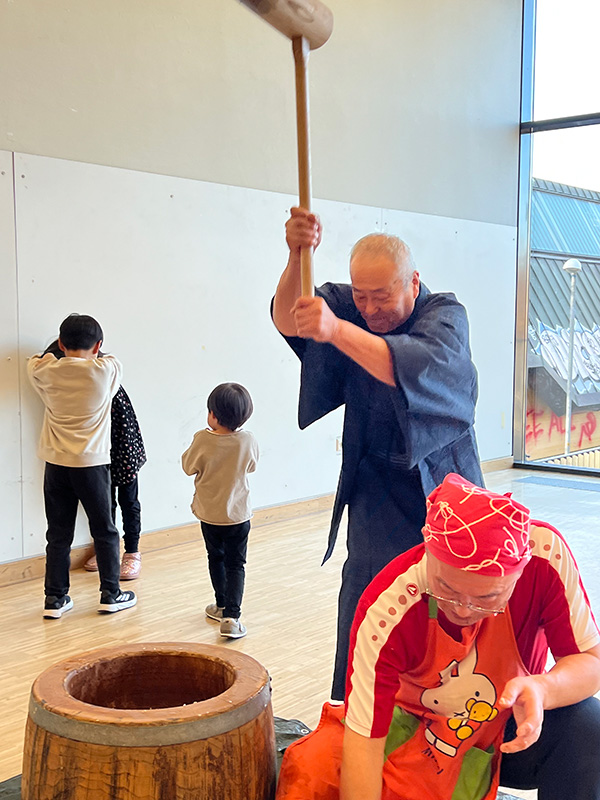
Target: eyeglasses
{"x": 471, "y": 606}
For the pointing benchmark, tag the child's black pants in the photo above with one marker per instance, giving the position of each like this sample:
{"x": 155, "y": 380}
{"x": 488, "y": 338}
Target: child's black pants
{"x": 131, "y": 513}
{"x": 64, "y": 488}
{"x": 226, "y": 546}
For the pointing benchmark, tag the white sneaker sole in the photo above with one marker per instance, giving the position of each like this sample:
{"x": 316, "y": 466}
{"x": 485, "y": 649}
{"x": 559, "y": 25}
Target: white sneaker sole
{"x": 112, "y": 608}
{"x": 56, "y": 613}
{"x": 233, "y": 635}
{"x": 213, "y": 616}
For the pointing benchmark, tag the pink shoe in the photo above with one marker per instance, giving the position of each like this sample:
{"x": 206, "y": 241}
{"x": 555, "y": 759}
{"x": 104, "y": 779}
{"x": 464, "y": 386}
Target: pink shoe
{"x": 91, "y": 565}
{"x": 131, "y": 566}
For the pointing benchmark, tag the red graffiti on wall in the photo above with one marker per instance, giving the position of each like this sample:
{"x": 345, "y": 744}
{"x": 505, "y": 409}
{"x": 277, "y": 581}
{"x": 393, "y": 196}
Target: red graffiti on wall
{"x": 556, "y": 423}
{"x": 533, "y": 430}
{"x": 587, "y": 428}
{"x": 538, "y": 426}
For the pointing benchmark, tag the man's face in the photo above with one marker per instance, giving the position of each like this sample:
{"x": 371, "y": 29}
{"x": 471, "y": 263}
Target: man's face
{"x": 380, "y": 293}
{"x": 462, "y": 590}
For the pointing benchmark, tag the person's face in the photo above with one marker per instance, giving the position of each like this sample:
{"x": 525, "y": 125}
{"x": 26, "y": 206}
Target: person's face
{"x": 380, "y": 293}
{"x": 458, "y": 591}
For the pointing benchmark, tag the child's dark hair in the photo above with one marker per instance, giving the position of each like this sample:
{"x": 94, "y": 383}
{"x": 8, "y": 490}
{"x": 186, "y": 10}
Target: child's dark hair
{"x": 231, "y": 404}
{"x": 80, "y": 332}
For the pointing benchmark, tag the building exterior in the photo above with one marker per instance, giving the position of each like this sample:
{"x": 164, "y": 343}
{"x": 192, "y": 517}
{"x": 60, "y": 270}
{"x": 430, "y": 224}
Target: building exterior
{"x": 565, "y": 223}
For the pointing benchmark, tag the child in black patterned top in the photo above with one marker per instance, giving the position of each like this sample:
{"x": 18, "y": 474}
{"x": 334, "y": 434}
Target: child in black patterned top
{"x": 127, "y": 457}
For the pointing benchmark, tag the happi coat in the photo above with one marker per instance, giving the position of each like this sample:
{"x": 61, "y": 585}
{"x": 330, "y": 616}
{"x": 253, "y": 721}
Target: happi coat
{"x": 423, "y": 424}
{"x": 399, "y": 442}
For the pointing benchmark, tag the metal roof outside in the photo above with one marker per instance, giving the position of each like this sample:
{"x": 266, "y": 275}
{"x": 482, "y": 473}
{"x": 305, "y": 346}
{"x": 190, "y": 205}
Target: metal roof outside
{"x": 565, "y": 219}
{"x": 565, "y": 223}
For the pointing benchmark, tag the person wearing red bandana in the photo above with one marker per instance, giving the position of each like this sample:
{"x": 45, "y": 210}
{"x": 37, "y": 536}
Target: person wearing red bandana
{"x": 449, "y": 693}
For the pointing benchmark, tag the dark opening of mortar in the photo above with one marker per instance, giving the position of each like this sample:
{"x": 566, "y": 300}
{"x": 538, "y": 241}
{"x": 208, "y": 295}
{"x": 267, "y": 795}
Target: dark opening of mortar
{"x": 150, "y": 680}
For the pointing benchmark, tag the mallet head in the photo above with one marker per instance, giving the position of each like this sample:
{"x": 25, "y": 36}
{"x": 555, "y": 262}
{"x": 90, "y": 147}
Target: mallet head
{"x": 294, "y": 18}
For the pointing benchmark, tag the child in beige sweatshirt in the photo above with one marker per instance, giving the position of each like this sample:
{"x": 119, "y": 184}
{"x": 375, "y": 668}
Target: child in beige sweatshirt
{"x": 220, "y": 457}
{"x": 77, "y": 391}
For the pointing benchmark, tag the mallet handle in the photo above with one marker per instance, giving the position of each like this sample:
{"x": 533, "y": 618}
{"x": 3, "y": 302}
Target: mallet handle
{"x": 301, "y": 48}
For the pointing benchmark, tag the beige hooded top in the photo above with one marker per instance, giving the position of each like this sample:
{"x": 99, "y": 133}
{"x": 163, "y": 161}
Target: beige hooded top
{"x": 77, "y": 394}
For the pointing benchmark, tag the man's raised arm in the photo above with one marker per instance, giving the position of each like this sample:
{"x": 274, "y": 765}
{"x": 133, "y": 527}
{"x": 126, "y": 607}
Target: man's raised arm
{"x": 303, "y": 229}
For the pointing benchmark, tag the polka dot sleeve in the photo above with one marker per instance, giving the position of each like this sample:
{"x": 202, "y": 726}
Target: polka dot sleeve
{"x": 388, "y": 637}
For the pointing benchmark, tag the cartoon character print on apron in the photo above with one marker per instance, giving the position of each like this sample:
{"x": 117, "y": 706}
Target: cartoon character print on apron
{"x": 443, "y": 742}
{"x": 453, "y": 753}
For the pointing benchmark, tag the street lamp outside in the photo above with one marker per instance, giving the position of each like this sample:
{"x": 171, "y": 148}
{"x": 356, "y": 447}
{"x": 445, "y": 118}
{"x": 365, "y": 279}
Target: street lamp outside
{"x": 572, "y": 266}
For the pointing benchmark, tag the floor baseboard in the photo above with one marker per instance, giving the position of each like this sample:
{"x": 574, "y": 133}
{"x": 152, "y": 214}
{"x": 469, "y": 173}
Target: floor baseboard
{"x": 26, "y": 569}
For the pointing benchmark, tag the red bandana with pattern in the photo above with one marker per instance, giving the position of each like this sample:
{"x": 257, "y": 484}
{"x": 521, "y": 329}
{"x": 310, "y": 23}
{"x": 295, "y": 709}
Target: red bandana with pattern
{"x": 476, "y": 530}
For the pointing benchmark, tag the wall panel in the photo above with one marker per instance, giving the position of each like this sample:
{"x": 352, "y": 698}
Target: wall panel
{"x": 180, "y": 274}
{"x": 414, "y": 105}
{"x": 11, "y": 544}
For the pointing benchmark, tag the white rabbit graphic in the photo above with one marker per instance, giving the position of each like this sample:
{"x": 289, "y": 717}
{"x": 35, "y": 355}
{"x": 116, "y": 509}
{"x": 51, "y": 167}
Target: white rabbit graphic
{"x": 464, "y": 696}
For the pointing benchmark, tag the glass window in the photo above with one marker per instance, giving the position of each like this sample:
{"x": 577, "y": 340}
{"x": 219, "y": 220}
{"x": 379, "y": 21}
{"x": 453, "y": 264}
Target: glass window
{"x": 566, "y": 58}
{"x": 557, "y": 383}
{"x": 563, "y": 355}
{"x": 570, "y": 155}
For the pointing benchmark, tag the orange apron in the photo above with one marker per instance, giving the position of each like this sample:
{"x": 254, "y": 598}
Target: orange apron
{"x": 443, "y": 742}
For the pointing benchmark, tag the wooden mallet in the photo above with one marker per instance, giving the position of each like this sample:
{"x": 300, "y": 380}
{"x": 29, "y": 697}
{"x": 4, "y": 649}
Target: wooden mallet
{"x": 308, "y": 23}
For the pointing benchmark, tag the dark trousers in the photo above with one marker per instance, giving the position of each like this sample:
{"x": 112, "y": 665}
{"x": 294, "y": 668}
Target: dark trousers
{"x": 64, "y": 488}
{"x": 226, "y": 546}
{"x": 564, "y": 763}
{"x": 131, "y": 513}
{"x": 385, "y": 517}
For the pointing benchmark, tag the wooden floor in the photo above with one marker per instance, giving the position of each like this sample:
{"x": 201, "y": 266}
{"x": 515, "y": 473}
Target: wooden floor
{"x": 289, "y": 609}
{"x": 289, "y": 604}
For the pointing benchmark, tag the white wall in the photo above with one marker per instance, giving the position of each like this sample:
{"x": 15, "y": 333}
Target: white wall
{"x": 414, "y": 104}
{"x": 180, "y": 274}
{"x": 11, "y": 540}
{"x": 154, "y": 162}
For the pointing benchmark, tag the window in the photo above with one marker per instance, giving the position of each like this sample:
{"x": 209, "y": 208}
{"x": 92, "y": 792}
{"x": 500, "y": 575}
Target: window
{"x": 557, "y": 397}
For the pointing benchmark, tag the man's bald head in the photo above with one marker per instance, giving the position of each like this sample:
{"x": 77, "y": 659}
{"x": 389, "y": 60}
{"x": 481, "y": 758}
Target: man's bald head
{"x": 385, "y": 283}
{"x": 390, "y": 247}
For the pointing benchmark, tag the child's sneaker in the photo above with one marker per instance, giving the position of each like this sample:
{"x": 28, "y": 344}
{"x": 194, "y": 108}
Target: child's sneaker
{"x": 232, "y": 628}
{"x": 213, "y": 611}
{"x": 109, "y": 603}
{"x": 55, "y": 607}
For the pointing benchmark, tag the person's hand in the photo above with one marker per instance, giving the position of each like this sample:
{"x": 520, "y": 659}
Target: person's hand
{"x": 526, "y": 698}
{"x": 314, "y": 319}
{"x": 303, "y": 229}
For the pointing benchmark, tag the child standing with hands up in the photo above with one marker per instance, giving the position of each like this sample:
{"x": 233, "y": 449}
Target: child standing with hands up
{"x": 220, "y": 457}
